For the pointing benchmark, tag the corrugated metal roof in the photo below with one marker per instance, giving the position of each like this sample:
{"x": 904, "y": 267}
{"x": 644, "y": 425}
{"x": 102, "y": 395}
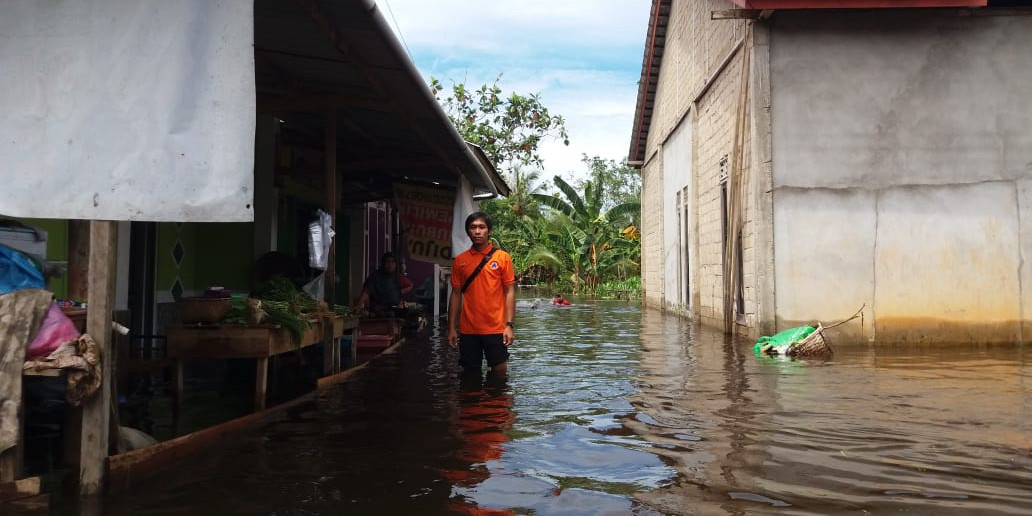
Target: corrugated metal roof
{"x": 655, "y": 39}
{"x": 314, "y": 55}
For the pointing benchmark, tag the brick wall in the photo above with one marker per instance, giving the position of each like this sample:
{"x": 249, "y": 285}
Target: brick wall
{"x": 695, "y": 46}
{"x": 652, "y": 232}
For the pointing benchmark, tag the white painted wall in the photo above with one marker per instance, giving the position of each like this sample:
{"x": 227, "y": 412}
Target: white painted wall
{"x": 902, "y": 146}
{"x": 677, "y": 174}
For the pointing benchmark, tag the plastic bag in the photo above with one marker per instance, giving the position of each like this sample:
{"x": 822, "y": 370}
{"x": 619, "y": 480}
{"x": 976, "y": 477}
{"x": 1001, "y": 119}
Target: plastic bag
{"x": 56, "y": 329}
{"x": 320, "y": 236}
{"x": 18, "y": 272}
{"x": 783, "y": 339}
{"x": 316, "y": 287}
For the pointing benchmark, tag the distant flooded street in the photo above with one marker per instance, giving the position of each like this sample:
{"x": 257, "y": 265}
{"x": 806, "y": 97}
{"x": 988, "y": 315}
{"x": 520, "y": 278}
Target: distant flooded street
{"x": 609, "y": 409}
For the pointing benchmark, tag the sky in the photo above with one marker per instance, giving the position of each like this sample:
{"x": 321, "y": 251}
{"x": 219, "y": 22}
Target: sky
{"x": 582, "y": 56}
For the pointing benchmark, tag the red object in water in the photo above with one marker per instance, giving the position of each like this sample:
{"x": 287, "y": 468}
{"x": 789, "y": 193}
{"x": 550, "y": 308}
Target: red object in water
{"x": 374, "y": 342}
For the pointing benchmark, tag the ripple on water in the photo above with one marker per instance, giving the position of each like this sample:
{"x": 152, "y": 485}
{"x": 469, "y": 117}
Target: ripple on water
{"x": 611, "y": 410}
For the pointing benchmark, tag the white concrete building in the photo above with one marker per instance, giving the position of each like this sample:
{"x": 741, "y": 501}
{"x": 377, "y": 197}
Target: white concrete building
{"x": 799, "y": 163}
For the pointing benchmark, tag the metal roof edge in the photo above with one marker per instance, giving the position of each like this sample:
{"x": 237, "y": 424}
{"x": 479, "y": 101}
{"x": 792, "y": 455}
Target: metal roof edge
{"x": 649, "y": 66}
{"x": 474, "y": 169}
{"x": 499, "y": 183}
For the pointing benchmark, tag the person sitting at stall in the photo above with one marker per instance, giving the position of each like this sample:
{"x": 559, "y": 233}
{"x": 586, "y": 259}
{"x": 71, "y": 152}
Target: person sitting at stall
{"x": 560, "y": 300}
{"x": 384, "y": 290}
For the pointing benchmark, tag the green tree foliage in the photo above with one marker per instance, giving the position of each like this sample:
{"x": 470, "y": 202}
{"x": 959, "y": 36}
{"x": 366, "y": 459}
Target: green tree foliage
{"x": 577, "y": 238}
{"x": 508, "y": 127}
{"x": 588, "y": 236}
{"x": 620, "y": 183}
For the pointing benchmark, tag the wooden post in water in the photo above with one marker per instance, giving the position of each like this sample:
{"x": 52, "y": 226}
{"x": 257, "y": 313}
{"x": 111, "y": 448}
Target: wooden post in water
{"x": 95, "y": 435}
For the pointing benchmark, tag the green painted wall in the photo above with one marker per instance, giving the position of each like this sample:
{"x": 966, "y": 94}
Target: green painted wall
{"x": 292, "y": 238}
{"x": 224, "y": 255}
{"x": 57, "y": 249}
{"x": 168, "y": 271}
{"x": 213, "y": 254}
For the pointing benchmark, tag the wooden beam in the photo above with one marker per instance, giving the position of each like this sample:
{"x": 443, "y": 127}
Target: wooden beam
{"x": 134, "y": 466}
{"x": 23, "y": 488}
{"x": 78, "y": 259}
{"x": 344, "y": 45}
{"x": 301, "y": 103}
{"x": 410, "y": 165}
{"x": 31, "y": 504}
{"x": 736, "y": 14}
{"x": 330, "y": 205}
{"x": 96, "y": 409}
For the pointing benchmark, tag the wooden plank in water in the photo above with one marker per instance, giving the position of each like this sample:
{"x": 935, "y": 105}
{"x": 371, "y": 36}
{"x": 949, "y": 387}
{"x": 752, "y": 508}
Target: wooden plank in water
{"x": 39, "y": 502}
{"x": 124, "y": 468}
{"x": 23, "y": 488}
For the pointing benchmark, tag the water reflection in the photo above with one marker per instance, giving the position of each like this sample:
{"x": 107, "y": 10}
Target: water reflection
{"x": 878, "y": 429}
{"x": 610, "y": 410}
{"x": 484, "y": 418}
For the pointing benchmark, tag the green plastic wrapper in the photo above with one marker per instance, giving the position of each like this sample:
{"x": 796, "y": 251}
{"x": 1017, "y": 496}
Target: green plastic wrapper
{"x": 784, "y": 338}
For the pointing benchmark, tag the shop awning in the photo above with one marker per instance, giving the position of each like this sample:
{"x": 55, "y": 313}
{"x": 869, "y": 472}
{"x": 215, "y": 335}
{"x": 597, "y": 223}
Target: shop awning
{"x": 127, "y": 110}
{"x": 146, "y": 109}
{"x": 315, "y": 55}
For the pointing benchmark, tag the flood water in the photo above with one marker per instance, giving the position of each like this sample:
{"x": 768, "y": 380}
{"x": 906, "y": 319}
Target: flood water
{"x": 609, "y": 409}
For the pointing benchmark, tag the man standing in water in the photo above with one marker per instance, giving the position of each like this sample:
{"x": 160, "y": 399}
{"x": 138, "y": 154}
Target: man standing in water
{"x": 484, "y": 287}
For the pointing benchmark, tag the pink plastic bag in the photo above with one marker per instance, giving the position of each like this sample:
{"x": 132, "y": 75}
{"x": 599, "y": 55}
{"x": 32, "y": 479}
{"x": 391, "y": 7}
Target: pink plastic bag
{"x": 57, "y": 328}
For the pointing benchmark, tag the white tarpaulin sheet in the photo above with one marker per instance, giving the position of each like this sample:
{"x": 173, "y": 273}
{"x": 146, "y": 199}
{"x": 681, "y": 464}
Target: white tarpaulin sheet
{"x": 462, "y": 208}
{"x": 127, "y": 109}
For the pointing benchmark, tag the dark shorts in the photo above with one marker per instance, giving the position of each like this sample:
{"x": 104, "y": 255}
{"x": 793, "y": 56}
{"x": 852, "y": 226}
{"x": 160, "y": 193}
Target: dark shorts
{"x": 473, "y": 349}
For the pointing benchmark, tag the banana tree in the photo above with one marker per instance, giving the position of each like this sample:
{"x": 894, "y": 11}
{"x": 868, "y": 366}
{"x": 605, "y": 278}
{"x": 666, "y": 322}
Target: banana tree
{"x": 588, "y": 230}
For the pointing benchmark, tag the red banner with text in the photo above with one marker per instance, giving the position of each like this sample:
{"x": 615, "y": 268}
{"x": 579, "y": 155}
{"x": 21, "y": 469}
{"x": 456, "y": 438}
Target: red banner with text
{"x": 426, "y": 221}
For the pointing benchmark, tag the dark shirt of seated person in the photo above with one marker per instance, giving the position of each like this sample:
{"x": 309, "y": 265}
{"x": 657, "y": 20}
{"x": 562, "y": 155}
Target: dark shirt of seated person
{"x": 385, "y": 288}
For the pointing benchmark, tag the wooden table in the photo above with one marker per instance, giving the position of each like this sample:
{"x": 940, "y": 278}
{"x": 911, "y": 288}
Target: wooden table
{"x": 343, "y": 326}
{"x": 260, "y": 342}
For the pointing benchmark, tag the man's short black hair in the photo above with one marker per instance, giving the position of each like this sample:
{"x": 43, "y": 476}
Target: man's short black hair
{"x": 479, "y": 215}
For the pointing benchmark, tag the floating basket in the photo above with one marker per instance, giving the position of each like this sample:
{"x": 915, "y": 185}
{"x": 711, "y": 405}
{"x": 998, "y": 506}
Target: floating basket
{"x": 203, "y": 310}
{"x": 812, "y": 346}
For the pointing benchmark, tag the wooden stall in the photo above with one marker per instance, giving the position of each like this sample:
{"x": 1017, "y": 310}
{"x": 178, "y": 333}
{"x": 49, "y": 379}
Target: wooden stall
{"x": 260, "y": 342}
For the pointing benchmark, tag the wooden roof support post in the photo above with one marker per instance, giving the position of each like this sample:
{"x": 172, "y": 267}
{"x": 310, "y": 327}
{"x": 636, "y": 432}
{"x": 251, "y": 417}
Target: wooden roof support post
{"x": 78, "y": 259}
{"x": 96, "y": 409}
{"x": 331, "y": 350}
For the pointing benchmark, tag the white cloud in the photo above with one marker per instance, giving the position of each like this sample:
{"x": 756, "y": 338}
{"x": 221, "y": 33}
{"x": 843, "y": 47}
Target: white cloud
{"x": 582, "y": 56}
{"x": 506, "y": 24}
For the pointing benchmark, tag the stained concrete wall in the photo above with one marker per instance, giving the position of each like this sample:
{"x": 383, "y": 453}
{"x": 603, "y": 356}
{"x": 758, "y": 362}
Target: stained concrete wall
{"x": 902, "y": 158}
{"x": 677, "y": 231}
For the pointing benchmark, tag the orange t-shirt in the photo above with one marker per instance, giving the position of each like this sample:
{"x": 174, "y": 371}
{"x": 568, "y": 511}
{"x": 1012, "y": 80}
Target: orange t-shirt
{"x": 483, "y": 304}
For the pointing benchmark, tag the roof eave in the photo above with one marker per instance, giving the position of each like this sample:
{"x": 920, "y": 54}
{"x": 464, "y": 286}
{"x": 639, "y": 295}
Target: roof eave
{"x": 654, "y": 41}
